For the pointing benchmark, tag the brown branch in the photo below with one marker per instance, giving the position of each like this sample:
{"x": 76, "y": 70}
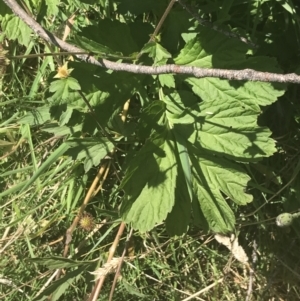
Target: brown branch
{"x": 162, "y": 20}
{"x": 117, "y": 275}
{"x": 97, "y": 288}
{"x": 246, "y": 74}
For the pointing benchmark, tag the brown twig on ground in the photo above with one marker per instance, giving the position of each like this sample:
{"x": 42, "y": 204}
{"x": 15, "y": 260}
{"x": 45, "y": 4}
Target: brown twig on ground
{"x": 120, "y": 265}
{"x": 96, "y": 290}
{"x": 246, "y": 74}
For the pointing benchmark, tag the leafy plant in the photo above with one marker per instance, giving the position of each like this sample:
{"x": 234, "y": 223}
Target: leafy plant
{"x": 206, "y": 123}
{"x": 180, "y": 150}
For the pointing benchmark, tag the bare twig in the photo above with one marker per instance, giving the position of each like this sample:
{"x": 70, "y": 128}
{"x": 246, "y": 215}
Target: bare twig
{"x": 120, "y": 265}
{"x": 246, "y": 74}
{"x": 162, "y": 20}
{"x": 96, "y": 290}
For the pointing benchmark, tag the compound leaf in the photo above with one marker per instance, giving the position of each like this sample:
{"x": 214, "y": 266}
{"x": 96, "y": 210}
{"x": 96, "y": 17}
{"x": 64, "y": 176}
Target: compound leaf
{"x": 61, "y": 89}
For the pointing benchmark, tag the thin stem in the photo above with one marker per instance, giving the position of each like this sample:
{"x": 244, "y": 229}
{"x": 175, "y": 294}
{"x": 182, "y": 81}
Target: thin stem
{"x": 159, "y": 25}
{"x": 44, "y": 54}
{"x": 120, "y": 265}
{"x": 162, "y": 20}
{"x": 97, "y": 288}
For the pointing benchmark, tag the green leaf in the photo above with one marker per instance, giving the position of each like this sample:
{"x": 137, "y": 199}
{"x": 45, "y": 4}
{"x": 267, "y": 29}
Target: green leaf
{"x": 61, "y": 88}
{"x": 57, "y": 262}
{"x": 211, "y": 49}
{"x": 213, "y": 178}
{"x": 92, "y": 46}
{"x": 228, "y": 176}
{"x": 60, "y": 286}
{"x": 167, "y": 80}
{"x": 219, "y": 126}
{"x": 157, "y": 52}
{"x": 215, "y": 209}
{"x": 177, "y": 22}
{"x": 36, "y": 117}
{"x": 178, "y": 219}
{"x": 138, "y": 7}
{"x": 61, "y": 130}
{"x": 182, "y": 107}
{"x": 90, "y": 150}
{"x": 231, "y": 130}
{"x": 52, "y": 7}
{"x": 115, "y": 39}
{"x": 65, "y": 116}
{"x": 16, "y": 29}
{"x": 149, "y": 184}
{"x": 248, "y": 96}
{"x": 226, "y": 128}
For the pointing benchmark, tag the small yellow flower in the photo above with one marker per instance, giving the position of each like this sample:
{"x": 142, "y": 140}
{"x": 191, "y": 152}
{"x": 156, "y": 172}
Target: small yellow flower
{"x": 63, "y": 71}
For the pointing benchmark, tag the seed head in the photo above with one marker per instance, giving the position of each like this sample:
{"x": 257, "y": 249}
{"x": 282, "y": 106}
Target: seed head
{"x": 86, "y": 222}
